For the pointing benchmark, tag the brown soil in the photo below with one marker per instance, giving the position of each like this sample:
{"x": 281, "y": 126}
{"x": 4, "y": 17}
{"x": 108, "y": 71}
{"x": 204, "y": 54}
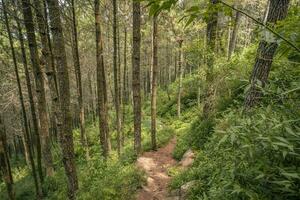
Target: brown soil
{"x": 155, "y": 164}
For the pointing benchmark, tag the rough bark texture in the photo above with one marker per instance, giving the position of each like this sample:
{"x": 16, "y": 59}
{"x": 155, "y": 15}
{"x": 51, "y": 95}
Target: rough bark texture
{"x": 66, "y": 137}
{"x": 211, "y": 35}
{"x": 125, "y": 84}
{"x": 76, "y": 60}
{"x": 136, "y": 87}
{"x": 5, "y": 169}
{"x": 46, "y": 149}
{"x": 233, "y": 36}
{"x": 180, "y": 69}
{"x": 116, "y": 77}
{"x": 154, "y": 82}
{"x": 101, "y": 85}
{"x": 21, "y": 99}
{"x": 31, "y": 102}
{"x": 266, "y": 50}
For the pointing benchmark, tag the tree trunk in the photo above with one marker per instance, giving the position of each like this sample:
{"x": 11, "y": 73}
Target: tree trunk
{"x": 116, "y": 77}
{"x": 154, "y": 81}
{"x": 233, "y": 36}
{"x": 101, "y": 85}
{"x": 211, "y": 35}
{"x": 5, "y": 163}
{"x": 65, "y": 118}
{"x": 266, "y": 50}
{"x": 31, "y": 101}
{"x": 26, "y": 133}
{"x": 136, "y": 87}
{"x": 180, "y": 69}
{"x": 75, "y": 51}
{"x": 40, "y": 87}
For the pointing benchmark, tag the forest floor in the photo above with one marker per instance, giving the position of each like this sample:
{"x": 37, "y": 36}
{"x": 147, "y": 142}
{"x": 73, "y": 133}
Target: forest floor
{"x": 156, "y": 164}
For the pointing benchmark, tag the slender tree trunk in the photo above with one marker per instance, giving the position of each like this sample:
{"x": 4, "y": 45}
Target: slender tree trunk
{"x": 66, "y": 137}
{"x": 45, "y": 59}
{"x": 154, "y": 81}
{"x": 136, "y": 86}
{"x": 116, "y": 77}
{"x": 26, "y": 133}
{"x": 5, "y": 169}
{"x": 125, "y": 84}
{"x": 233, "y": 37}
{"x": 31, "y": 101}
{"x": 211, "y": 33}
{"x": 83, "y": 136}
{"x": 266, "y": 50}
{"x": 101, "y": 85}
{"x": 181, "y": 71}
{"x": 52, "y": 81}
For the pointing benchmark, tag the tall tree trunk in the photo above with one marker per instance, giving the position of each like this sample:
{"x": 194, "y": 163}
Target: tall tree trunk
{"x": 101, "y": 85}
{"x": 211, "y": 35}
{"x": 31, "y": 100}
{"x": 21, "y": 99}
{"x": 154, "y": 81}
{"x": 52, "y": 80}
{"x": 181, "y": 71}
{"x": 136, "y": 86}
{"x": 40, "y": 87}
{"x": 116, "y": 76}
{"x": 125, "y": 84}
{"x": 42, "y": 106}
{"x": 83, "y": 136}
{"x": 66, "y": 137}
{"x": 233, "y": 37}
{"x": 266, "y": 50}
{"x": 5, "y": 169}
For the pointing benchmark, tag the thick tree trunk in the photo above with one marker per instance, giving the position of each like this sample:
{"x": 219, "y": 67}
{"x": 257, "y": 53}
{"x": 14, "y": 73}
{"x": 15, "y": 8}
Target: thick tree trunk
{"x": 101, "y": 85}
{"x": 266, "y": 50}
{"x": 116, "y": 77}
{"x": 75, "y": 51}
{"x": 66, "y": 137}
{"x": 154, "y": 82}
{"x": 181, "y": 71}
{"x": 233, "y": 36}
{"x": 211, "y": 35}
{"x": 136, "y": 86}
{"x": 26, "y": 133}
{"x": 5, "y": 169}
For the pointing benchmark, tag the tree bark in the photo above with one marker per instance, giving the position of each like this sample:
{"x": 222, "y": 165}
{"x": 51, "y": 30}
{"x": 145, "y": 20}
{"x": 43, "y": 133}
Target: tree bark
{"x": 154, "y": 81}
{"x": 266, "y": 50}
{"x": 116, "y": 77}
{"x": 101, "y": 85}
{"x": 40, "y": 88}
{"x": 136, "y": 87}
{"x": 76, "y": 60}
{"x": 31, "y": 101}
{"x": 180, "y": 70}
{"x": 66, "y": 137}
{"x": 233, "y": 37}
{"x": 211, "y": 35}
{"x": 42, "y": 106}
{"x": 24, "y": 115}
{"x": 5, "y": 163}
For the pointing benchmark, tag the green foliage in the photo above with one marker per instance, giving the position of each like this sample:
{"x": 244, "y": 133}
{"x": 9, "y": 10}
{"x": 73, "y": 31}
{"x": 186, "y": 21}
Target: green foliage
{"x": 246, "y": 155}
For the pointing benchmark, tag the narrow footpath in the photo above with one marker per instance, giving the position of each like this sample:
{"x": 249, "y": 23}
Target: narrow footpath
{"x": 156, "y": 164}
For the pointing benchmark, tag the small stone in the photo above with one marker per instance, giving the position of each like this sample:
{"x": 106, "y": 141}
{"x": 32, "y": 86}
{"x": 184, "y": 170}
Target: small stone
{"x": 187, "y": 159}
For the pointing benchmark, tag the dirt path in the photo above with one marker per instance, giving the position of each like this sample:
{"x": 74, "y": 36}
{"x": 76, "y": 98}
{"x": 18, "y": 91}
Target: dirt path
{"x": 156, "y": 164}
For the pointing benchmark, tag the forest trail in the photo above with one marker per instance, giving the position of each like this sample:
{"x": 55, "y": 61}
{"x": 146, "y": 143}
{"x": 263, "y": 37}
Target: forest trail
{"x": 156, "y": 164}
